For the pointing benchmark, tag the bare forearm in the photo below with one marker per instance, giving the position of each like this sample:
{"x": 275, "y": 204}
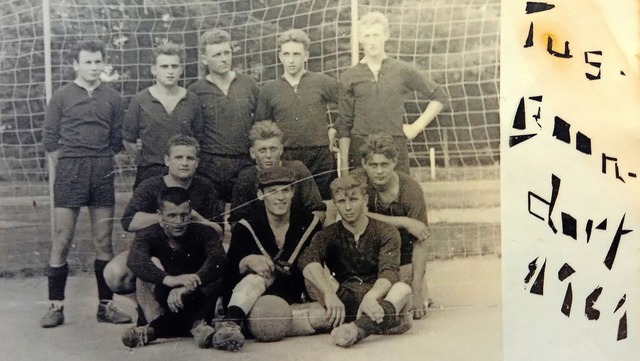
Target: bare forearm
{"x": 419, "y": 264}
{"x": 131, "y": 148}
{"x": 380, "y": 288}
{"x": 396, "y": 221}
{"x": 428, "y": 115}
{"x": 142, "y": 220}
{"x": 343, "y": 144}
{"x": 314, "y": 272}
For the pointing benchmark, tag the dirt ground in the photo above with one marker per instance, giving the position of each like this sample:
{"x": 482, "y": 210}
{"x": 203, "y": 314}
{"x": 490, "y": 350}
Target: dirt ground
{"x": 464, "y": 323}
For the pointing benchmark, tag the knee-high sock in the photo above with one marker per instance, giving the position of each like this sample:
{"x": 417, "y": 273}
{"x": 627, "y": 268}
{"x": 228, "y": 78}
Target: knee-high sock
{"x": 370, "y": 327}
{"x": 57, "y": 277}
{"x": 104, "y": 292}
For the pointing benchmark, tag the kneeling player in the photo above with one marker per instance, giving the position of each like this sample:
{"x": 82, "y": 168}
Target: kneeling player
{"x": 186, "y": 275}
{"x": 363, "y": 254}
{"x": 397, "y": 199}
{"x": 262, "y": 257}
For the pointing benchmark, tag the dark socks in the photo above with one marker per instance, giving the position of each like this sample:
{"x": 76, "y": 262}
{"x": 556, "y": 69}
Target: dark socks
{"x": 142, "y": 320}
{"x": 235, "y": 314}
{"x": 369, "y": 326}
{"x": 104, "y": 292}
{"x": 57, "y": 282}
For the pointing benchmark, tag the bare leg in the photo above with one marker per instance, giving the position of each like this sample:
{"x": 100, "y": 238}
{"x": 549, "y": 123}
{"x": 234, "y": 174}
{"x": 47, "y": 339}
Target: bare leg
{"x": 146, "y": 297}
{"x": 309, "y": 318}
{"x": 147, "y": 301}
{"x": 101, "y": 231}
{"x": 65, "y": 221}
{"x": 247, "y": 291}
{"x": 118, "y": 276}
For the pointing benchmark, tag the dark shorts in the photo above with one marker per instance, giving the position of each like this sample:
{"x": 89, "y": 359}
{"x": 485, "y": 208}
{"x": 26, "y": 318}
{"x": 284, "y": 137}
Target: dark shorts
{"x": 86, "y": 181}
{"x": 350, "y": 293}
{"x": 406, "y": 247}
{"x": 144, "y": 172}
{"x": 355, "y": 157}
{"x": 223, "y": 171}
{"x": 198, "y": 305}
{"x": 320, "y": 162}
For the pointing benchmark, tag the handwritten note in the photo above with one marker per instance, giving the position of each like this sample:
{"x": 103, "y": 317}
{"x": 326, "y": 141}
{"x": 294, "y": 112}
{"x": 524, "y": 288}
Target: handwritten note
{"x": 570, "y": 122}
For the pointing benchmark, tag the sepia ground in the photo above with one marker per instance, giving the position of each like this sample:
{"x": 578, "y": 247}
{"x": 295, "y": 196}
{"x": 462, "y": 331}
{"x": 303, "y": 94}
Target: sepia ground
{"x": 464, "y": 323}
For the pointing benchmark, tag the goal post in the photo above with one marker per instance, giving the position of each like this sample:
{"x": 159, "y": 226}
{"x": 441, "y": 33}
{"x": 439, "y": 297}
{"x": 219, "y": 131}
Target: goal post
{"x": 453, "y": 42}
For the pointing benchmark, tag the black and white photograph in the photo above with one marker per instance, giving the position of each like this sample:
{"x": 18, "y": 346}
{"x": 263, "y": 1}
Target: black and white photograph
{"x": 263, "y": 180}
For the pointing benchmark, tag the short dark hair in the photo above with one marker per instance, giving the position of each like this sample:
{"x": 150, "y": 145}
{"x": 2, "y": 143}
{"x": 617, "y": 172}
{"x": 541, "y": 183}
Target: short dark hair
{"x": 294, "y": 35}
{"x": 379, "y": 143}
{"x": 181, "y": 139}
{"x": 167, "y": 49}
{"x": 348, "y": 183}
{"x": 265, "y": 129}
{"x": 174, "y": 195}
{"x": 92, "y": 46}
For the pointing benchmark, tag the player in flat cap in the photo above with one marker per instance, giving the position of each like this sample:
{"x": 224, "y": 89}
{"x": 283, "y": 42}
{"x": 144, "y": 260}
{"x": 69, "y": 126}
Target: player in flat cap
{"x": 262, "y": 260}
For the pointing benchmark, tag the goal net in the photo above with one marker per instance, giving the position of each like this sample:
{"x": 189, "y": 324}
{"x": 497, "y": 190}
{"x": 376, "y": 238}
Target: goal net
{"x": 453, "y": 42}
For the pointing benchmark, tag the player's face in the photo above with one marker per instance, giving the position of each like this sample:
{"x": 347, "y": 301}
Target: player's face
{"x": 372, "y": 38}
{"x": 167, "y": 69}
{"x": 175, "y": 218}
{"x": 379, "y": 169}
{"x": 89, "y": 66}
{"x": 217, "y": 57}
{"x": 293, "y": 56}
{"x": 182, "y": 161}
{"x": 277, "y": 199}
{"x": 351, "y": 205}
{"x": 266, "y": 152}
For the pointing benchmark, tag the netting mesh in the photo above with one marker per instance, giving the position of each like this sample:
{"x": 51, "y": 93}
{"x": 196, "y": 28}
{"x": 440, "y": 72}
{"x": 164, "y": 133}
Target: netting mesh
{"x": 455, "y": 43}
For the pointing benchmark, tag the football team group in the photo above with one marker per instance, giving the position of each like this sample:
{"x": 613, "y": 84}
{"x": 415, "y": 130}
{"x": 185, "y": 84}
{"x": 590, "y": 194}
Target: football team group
{"x": 341, "y": 254}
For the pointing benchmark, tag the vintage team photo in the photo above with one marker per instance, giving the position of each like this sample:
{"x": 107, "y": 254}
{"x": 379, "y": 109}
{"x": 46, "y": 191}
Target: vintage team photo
{"x": 266, "y": 179}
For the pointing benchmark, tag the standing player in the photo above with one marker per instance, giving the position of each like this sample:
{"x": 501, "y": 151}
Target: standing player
{"x": 228, "y": 100}
{"x": 363, "y": 255}
{"x": 142, "y": 210}
{"x": 266, "y": 150}
{"x": 82, "y": 131}
{"x": 159, "y": 112}
{"x": 262, "y": 257}
{"x": 297, "y": 102}
{"x": 186, "y": 276}
{"x": 395, "y": 198}
{"x": 372, "y": 96}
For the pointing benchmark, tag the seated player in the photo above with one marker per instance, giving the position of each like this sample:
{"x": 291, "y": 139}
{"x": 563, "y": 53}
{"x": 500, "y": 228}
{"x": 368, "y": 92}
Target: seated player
{"x": 186, "y": 274}
{"x": 266, "y": 150}
{"x": 141, "y": 212}
{"x": 363, "y": 254}
{"x": 397, "y": 199}
{"x": 159, "y": 112}
{"x": 262, "y": 257}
